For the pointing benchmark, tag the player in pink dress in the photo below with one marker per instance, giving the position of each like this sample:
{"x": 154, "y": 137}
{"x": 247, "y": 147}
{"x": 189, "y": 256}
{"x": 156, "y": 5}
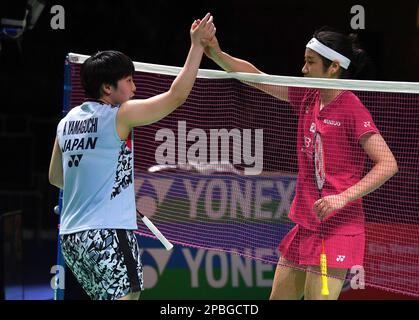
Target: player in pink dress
{"x": 349, "y": 136}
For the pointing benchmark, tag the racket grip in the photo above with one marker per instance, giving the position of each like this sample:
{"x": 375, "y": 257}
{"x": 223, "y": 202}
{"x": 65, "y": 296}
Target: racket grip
{"x": 157, "y": 232}
{"x": 323, "y": 268}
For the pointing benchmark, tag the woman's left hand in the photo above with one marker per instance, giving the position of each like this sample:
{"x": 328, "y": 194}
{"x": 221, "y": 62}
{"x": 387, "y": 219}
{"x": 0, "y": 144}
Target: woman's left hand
{"x": 326, "y": 205}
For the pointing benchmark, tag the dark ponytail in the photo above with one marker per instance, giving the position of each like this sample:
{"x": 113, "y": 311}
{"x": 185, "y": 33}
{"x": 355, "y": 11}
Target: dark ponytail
{"x": 361, "y": 66}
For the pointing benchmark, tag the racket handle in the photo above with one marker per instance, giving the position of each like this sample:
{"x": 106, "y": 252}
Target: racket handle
{"x": 157, "y": 233}
{"x": 323, "y": 268}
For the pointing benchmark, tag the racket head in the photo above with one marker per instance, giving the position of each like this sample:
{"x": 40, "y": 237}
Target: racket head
{"x": 318, "y": 161}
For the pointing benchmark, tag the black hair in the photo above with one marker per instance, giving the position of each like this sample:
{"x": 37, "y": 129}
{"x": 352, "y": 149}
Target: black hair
{"x": 361, "y": 66}
{"x": 104, "y": 67}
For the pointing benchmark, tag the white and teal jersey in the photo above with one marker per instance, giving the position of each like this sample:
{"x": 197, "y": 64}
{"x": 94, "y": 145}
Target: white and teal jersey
{"x": 98, "y": 190}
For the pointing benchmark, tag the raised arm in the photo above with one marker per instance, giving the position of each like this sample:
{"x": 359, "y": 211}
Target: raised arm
{"x": 233, "y": 64}
{"x": 142, "y": 112}
{"x": 227, "y": 62}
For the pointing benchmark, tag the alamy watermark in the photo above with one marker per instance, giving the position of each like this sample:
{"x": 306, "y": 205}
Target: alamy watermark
{"x": 358, "y": 20}
{"x": 58, "y": 19}
{"x": 243, "y": 142}
{"x": 358, "y": 277}
{"x": 58, "y": 280}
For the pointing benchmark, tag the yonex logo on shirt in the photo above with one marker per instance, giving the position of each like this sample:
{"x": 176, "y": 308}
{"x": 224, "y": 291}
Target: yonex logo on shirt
{"x": 75, "y": 160}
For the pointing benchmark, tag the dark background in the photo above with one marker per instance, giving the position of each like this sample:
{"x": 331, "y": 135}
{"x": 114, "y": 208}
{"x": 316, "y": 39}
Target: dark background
{"x": 270, "y": 34}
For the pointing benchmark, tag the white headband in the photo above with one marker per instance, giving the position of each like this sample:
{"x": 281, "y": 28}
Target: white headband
{"x": 328, "y": 53}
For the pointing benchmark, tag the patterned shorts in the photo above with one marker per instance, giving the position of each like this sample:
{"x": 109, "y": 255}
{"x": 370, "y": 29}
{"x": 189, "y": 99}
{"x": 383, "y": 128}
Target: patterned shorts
{"x": 106, "y": 262}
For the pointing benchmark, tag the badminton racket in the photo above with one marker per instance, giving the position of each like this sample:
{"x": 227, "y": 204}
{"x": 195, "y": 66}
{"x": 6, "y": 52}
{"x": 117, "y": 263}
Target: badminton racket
{"x": 155, "y": 231}
{"x": 320, "y": 177}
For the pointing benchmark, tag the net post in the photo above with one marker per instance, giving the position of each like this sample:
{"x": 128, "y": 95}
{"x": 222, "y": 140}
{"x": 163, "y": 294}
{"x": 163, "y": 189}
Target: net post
{"x": 60, "y": 274}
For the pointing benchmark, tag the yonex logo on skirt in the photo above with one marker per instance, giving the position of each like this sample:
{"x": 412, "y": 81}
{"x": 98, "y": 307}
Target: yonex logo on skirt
{"x": 340, "y": 258}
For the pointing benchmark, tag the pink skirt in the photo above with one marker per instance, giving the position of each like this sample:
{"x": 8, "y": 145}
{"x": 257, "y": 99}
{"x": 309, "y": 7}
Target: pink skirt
{"x": 303, "y": 247}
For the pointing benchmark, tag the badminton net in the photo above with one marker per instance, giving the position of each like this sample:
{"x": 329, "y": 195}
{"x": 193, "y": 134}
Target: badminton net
{"x": 220, "y": 172}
